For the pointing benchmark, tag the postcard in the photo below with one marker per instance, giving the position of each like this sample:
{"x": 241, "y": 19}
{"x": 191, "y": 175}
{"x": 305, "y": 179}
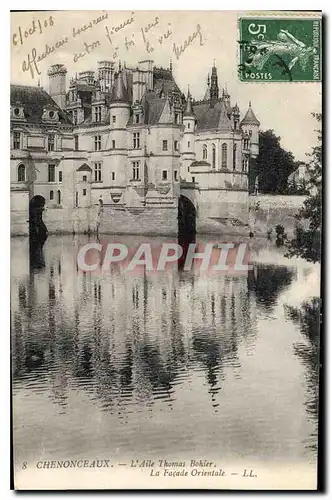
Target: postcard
{"x": 166, "y": 198}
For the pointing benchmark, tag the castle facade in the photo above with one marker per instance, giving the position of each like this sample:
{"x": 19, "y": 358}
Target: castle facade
{"x": 124, "y": 150}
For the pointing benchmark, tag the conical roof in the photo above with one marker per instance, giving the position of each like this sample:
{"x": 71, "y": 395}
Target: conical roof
{"x": 189, "y": 108}
{"x": 119, "y": 92}
{"x": 224, "y": 122}
{"x": 250, "y": 118}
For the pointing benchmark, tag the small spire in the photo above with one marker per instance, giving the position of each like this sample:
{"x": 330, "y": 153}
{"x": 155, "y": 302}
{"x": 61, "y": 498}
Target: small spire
{"x": 249, "y": 104}
{"x": 38, "y": 82}
{"x": 214, "y": 63}
{"x": 171, "y": 66}
{"x": 189, "y": 108}
{"x": 119, "y": 65}
{"x": 208, "y": 80}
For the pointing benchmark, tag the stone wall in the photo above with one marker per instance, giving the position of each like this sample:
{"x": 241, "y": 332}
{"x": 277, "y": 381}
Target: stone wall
{"x": 147, "y": 221}
{"x": 267, "y": 211}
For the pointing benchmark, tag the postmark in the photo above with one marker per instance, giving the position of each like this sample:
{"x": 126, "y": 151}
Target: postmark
{"x": 279, "y": 49}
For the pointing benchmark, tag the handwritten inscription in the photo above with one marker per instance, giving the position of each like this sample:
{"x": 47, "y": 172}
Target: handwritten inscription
{"x": 180, "y": 49}
{"x": 152, "y": 35}
{"x": 37, "y": 27}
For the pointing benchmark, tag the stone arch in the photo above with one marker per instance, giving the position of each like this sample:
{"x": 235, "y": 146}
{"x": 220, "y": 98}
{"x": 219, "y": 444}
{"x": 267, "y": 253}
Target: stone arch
{"x": 186, "y": 217}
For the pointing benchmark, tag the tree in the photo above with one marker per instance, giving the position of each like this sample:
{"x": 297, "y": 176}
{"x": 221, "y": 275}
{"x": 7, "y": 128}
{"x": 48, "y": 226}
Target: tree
{"x": 307, "y": 241}
{"x": 272, "y": 166}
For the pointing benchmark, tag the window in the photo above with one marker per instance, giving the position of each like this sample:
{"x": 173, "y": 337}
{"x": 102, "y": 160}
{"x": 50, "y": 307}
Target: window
{"x": 245, "y": 163}
{"x": 164, "y": 145}
{"x": 60, "y": 175}
{"x": 213, "y": 156}
{"x": 137, "y": 118}
{"x": 17, "y": 140}
{"x": 234, "y": 156}
{"x": 193, "y": 179}
{"x": 188, "y": 144}
{"x": 188, "y": 126}
{"x": 113, "y": 176}
{"x": 176, "y": 118}
{"x": 176, "y": 145}
{"x": 136, "y": 170}
{"x": 224, "y": 156}
{"x": 113, "y": 144}
{"x": 97, "y": 142}
{"x": 246, "y": 144}
{"x": 164, "y": 175}
{"x": 136, "y": 140}
{"x": 85, "y": 178}
{"x": 51, "y": 173}
{"x": 113, "y": 119}
{"x": 21, "y": 173}
{"x": 50, "y": 143}
{"x": 176, "y": 177}
{"x": 189, "y": 168}
{"x": 76, "y": 142}
{"x": 98, "y": 114}
{"x": 97, "y": 172}
{"x": 204, "y": 152}
{"x": 84, "y": 192}
{"x": 51, "y": 195}
{"x": 59, "y": 197}
{"x": 250, "y": 133}
{"x": 75, "y": 116}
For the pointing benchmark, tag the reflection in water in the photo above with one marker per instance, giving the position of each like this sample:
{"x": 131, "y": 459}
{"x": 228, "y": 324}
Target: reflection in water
{"x": 122, "y": 348}
{"x": 308, "y": 317}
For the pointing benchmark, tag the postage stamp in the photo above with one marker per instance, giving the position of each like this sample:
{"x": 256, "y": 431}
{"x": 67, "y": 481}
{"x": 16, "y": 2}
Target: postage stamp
{"x": 279, "y": 50}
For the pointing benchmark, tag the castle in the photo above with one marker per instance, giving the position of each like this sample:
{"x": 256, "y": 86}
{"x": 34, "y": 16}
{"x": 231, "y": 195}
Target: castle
{"x": 123, "y": 150}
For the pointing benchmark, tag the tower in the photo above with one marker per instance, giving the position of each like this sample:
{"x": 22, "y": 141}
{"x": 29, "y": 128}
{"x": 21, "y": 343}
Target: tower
{"x": 188, "y": 140}
{"x": 214, "y": 89}
{"x": 57, "y": 84}
{"x": 250, "y": 125}
{"x": 105, "y": 75}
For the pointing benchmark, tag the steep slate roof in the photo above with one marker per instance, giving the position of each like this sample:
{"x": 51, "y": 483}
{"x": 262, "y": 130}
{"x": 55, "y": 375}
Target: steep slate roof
{"x": 163, "y": 80}
{"x": 34, "y": 100}
{"x": 212, "y": 116}
{"x": 119, "y": 91}
{"x": 250, "y": 118}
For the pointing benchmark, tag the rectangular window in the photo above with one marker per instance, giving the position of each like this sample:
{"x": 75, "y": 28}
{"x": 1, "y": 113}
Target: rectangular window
{"x": 164, "y": 175}
{"x": 97, "y": 171}
{"x": 113, "y": 119}
{"x": 176, "y": 118}
{"x": 136, "y": 140}
{"x": 188, "y": 125}
{"x": 113, "y": 176}
{"x": 76, "y": 142}
{"x": 97, "y": 142}
{"x": 85, "y": 178}
{"x": 193, "y": 179}
{"x": 135, "y": 170}
{"x": 188, "y": 144}
{"x": 51, "y": 173}
{"x": 98, "y": 113}
{"x": 113, "y": 144}
{"x": 50, "y": 144}
{"x": 164, "y": 145}
{"x": 17, "y": 140}
{"x": 176, "y": 175}
{"x": 176, "y": 145}
{"x": 136, "y": 118}
{"x": 84, "y": 192}
{"x": 60, "y": 175}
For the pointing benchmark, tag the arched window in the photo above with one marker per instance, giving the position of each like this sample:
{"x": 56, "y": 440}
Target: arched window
{"x": 213, "y": 156}
{"x": 51, "y": 195}
{"x": 224, "y": 155}
{"x": 59, "y": 197}
{"x": 21, "y": 173}
{"x": 234, "y": 156}
{"x": 204, "y": 152}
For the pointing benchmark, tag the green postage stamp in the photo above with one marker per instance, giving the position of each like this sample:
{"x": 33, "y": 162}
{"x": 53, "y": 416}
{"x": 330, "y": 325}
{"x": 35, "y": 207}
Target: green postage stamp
{"x": 280, "y": 49}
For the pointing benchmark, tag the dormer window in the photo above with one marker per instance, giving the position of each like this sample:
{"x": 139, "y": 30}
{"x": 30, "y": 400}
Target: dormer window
{"x": 176, "y": 118}
{"x": 98, "y": 113}
{"x": 137, "y": 118}
{"x": 17, "y": 112}
{"x": 50, "y": 115}
{"x": 16, "y": 140}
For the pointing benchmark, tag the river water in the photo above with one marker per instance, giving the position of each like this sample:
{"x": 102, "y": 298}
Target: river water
{"x": 166, "y": 364}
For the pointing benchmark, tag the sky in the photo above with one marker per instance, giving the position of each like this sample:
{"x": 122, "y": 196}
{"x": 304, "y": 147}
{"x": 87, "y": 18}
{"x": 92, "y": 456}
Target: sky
{"x": 210, "y": 37}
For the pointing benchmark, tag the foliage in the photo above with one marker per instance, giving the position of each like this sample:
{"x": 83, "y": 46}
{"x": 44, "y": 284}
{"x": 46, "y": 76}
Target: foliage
{"x": 272, "y": 166}
{"x": 307, "y": 241}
